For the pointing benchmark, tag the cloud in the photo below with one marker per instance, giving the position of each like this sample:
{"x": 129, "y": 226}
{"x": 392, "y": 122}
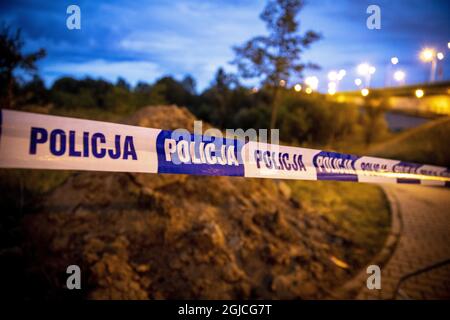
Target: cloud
{"x": 146, "y": 39}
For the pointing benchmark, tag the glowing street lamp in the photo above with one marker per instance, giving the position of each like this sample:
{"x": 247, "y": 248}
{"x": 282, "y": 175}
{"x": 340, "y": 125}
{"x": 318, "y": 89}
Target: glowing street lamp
{"x": 429, "y": 55}
{"x": 399, "y": 76}
{"x": 312, "y": 82}
{"x": 365, "y": 92}
{"x": 389, "y": 70}
{"x": 341, "y": 74}
{"x": 419, "y": 93}
{"x": 358, "y": 82}
{"x": 308, "y": 90}
{"x": 332, "y": 88}
{"x": 335, "y": 77}
{"x": 332, "y": 75}
{"x": 367, "y": 71}
{"x": 282, "y": 83}
{"x": 298, "y": 87}
{"x": 363, "y": 69}
{"x": 440, "y": 56}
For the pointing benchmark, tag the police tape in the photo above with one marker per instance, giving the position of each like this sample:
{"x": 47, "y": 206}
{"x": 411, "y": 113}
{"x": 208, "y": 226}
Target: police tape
{"x": 37, "y": 141}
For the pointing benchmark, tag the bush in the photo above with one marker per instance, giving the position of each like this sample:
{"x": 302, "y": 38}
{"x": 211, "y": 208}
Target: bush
{"x": 374, "y": 123}
{"x": 315, "y": 120}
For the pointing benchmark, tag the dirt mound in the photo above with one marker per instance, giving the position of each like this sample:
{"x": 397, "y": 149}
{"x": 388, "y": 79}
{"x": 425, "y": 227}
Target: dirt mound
{"x": 163, "y": 117}
{"x": 140, "y": 236}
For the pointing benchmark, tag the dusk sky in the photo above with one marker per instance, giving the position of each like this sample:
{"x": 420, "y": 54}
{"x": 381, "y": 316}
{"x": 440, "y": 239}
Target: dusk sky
{"x": 144, "y": 40}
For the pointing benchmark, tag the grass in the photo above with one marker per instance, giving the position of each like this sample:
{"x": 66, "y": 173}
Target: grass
{"x": 22, "y": 192}
{"x": 21, "y": 188}
{"x": 427, "y": 143}
{"x": 361, "y": 210}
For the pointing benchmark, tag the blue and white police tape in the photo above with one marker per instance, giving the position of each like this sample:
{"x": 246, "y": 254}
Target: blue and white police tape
{"x": 37, "y": 141}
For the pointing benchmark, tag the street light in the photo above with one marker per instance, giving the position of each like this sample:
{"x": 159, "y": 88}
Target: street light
{"x": 429, "y": 55}
{"x": 341, "y": 74}
{"x": 332, "y": 75}
{"x": 358, "y": 82}
{"x": 332, "y": 87}
{"x": 312, "y": 82}
{"x": 365, "y": 92}
{"x": 367, "y": 71}
{"x": 388, "y": 76}
{"x": 363, "y": 69}
{"x": 297, "y": 87}
{"x": 419, "y": 93}
{"x": 440, "y": 56}
{"x": 399, "y": 76}
{"x": 336, "y": 76}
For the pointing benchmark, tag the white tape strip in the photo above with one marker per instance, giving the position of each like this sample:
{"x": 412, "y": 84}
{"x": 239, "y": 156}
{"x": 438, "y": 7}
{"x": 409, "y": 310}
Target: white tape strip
{"x": 50, "y": 142}
{"x": 38, "y": 141}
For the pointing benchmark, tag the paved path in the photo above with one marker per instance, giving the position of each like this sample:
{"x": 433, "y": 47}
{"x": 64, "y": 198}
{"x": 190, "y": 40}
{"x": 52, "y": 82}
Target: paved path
{"x": 425, "y": 240}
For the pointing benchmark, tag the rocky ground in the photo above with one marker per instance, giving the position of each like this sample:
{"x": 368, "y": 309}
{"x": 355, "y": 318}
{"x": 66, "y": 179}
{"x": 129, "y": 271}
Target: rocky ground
{"x": 148, "y": 236}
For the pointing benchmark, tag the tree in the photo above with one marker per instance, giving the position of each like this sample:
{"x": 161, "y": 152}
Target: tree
{"x": 373, "y": 120}
{"x": 175, "y": 92}
{"x": 189, "y": 84}
{"x": 12, "y": 58}
{"x": 219, "y": 95}
{"x": 276, "y": 57}
{"x": 68, "y": 92}
{"x": 34, "y": 92}
{"x": 146, "y": 94}
{"x": 123, "y": 84}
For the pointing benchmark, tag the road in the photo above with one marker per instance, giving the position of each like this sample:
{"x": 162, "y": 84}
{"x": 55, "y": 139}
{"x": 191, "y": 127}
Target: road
{"x": 424, "y": 240}
{"x": 399, "y": 121}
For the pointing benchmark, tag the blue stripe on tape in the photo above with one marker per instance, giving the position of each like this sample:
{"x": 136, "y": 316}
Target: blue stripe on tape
{"x": 335, "y": 166}
{"x": 406, "y": 180}
{"x": 407, "y": 168}
{"x": 194, "y": 154}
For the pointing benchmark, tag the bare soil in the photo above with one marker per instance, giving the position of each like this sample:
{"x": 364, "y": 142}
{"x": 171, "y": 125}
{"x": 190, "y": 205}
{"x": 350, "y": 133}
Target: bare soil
{"x": 148, "y": 236}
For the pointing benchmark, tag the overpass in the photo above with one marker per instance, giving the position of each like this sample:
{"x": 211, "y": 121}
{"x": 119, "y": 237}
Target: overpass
{"x": 434, "y": 102}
